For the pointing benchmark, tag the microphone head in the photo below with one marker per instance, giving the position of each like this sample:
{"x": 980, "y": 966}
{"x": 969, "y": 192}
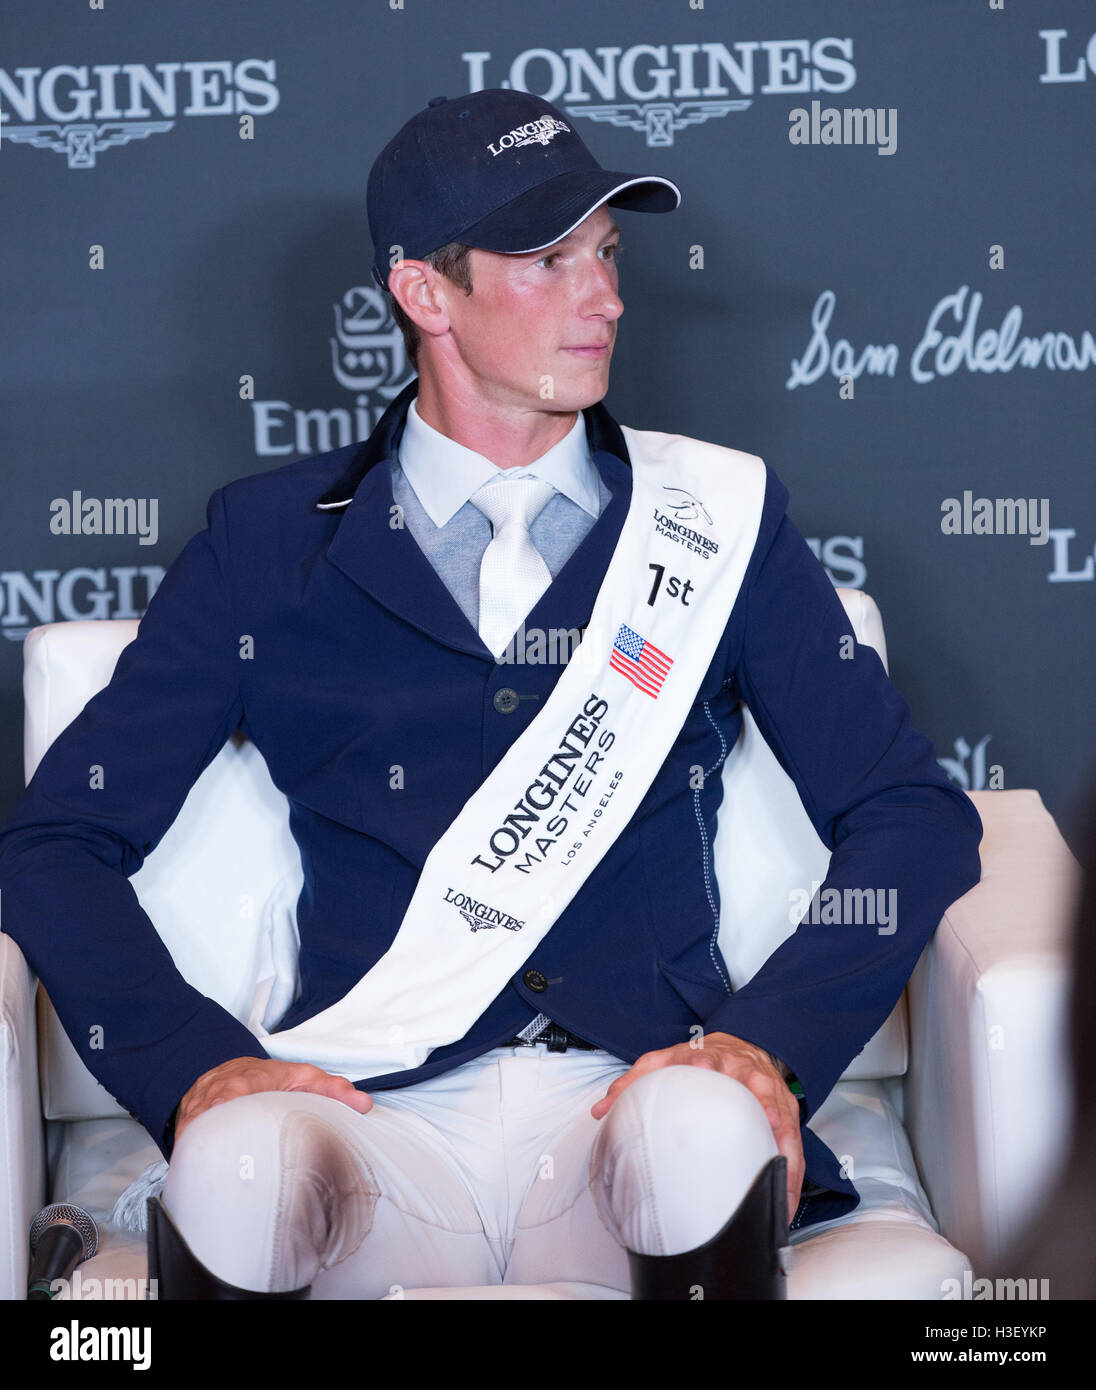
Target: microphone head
{"x": 65, "y": 1214}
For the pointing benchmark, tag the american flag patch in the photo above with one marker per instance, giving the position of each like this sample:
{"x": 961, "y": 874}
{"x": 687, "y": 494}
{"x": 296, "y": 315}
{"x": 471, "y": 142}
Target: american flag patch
{"x": 641, "y": 662}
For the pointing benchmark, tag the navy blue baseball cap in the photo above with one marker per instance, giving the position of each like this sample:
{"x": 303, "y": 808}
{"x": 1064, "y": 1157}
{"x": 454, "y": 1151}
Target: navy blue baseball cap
{"x": 499, "y": 170}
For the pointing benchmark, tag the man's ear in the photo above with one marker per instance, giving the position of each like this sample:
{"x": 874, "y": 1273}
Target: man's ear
{"x": 420, "y": 292}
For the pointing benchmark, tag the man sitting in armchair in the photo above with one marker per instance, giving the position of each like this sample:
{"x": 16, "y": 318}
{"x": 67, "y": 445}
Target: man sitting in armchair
{"x": 515, "y": 1055}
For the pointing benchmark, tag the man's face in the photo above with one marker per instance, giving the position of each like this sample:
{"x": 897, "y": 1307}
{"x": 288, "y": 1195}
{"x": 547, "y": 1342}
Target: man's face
{"x": 538, "y": 330}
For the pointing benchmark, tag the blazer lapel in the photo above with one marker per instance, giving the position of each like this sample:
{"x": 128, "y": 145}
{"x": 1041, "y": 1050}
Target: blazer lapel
{"x": 387, "y": 563}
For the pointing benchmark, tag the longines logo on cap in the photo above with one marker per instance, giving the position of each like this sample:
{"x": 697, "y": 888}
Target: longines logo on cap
{"x": 89, "y": 110}
{"x": 537, "y": 132}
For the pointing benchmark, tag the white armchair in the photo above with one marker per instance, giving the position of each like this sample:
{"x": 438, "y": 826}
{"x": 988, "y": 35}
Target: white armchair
{"x": 945, "y": 1121}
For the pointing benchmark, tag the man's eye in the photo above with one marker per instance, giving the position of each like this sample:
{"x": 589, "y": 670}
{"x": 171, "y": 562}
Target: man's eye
{"x": 545, "y": 259}
{"x": 616, "y": 249}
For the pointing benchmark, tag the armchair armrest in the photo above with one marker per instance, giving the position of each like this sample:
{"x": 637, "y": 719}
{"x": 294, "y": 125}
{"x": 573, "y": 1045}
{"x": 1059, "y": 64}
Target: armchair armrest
{"x": 987, "y": 1102}
{"x": 22, "y": 1140}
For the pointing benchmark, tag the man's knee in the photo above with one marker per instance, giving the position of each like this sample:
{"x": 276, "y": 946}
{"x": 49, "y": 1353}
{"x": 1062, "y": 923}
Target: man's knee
{"x": 694, "y": 1109}
{"x": 239, "y": 1137}
{"x": 271, "y": 1174}
{"x": 681, "y": 1147}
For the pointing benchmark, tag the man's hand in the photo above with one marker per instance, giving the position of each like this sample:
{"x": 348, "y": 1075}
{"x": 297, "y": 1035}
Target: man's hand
{"x": 754, "y": 1068}
{"x": 242, "y": 1076}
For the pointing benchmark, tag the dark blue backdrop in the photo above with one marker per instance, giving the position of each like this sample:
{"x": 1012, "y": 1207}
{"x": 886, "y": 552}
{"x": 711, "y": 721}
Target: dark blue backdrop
{"x": 183, "y": 305}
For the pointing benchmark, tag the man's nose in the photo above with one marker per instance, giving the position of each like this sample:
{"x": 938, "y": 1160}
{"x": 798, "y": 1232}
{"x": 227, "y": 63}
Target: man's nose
{"x": 602, "y": 299}
{"x": 601, "y": 295}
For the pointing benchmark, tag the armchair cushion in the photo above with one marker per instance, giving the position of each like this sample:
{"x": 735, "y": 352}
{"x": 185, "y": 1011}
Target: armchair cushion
{"x": 21, "y": 1129}
{"x": 988, "y": 1102}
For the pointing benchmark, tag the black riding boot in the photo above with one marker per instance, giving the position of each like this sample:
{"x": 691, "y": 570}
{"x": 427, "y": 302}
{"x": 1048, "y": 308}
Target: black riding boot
{"x": 739, "y": 1262}
{"x": 180, "y": 1274}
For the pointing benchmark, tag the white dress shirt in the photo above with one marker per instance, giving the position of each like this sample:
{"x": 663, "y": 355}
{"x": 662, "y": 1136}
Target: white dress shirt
{"x": 445, "y": 474}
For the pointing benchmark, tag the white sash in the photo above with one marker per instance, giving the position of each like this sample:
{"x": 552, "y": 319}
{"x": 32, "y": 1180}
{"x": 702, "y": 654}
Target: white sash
{"x": 526, "y": 841}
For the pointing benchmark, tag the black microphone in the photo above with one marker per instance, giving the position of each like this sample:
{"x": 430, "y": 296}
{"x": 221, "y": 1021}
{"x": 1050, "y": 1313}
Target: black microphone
{"x": 61, "y": 1236}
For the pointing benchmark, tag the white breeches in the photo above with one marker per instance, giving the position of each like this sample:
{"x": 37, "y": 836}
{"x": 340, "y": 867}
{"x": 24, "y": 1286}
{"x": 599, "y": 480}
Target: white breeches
{"x": 493, "y": 1173}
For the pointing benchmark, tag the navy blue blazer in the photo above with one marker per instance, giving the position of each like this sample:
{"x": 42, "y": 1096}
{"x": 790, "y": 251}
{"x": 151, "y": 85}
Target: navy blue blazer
{"x": 362, "y": 660}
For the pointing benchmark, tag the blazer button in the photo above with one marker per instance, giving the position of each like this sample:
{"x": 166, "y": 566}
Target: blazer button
{"x": 533, "y": 979}
{"x": 506, "y": 700}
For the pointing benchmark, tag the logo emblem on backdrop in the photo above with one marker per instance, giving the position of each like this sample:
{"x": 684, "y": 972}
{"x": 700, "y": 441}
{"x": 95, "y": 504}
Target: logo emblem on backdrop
{"x": 88, "y": 110}
{"x": 368, "y": 357}
{"x": 659, "y": 120}
{"x": 660, "y": 89}
{"x": 367, "y": 351}
{"x": 941, "y": 351}
{"x": 52, "y": 596}
{"x": 973, "y": 776}
{"x": 81, "y": 143}
{"x": 639, "y": 661}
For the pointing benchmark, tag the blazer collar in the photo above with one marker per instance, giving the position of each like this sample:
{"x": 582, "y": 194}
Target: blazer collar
{"x": 388, "y": 564}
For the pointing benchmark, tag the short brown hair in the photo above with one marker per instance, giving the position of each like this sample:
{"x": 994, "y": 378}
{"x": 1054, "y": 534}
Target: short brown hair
{"x": 453, "y": 262}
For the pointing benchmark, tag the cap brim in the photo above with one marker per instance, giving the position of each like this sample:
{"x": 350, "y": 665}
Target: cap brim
{"x": 557, "y": 206}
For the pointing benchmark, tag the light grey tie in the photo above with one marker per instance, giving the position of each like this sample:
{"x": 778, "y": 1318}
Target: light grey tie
{"x": 513, "y": 574}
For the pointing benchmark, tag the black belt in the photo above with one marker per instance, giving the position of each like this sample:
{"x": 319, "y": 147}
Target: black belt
{"x": 557, "y": 1038}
